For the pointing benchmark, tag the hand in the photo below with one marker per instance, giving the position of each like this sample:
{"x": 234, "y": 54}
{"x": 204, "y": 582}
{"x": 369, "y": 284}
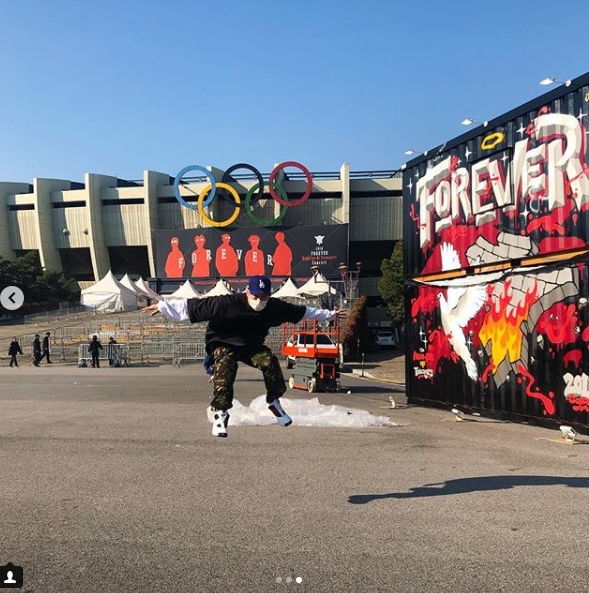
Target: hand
{"x": 341, "y": 313}
{"x": 151, "y": 310}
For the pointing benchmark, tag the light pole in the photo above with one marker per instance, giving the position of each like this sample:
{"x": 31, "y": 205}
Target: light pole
{"x": 350, "y": 281}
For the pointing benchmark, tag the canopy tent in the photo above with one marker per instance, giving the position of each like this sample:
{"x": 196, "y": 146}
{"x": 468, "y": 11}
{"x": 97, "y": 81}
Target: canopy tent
{"x": 219, "y": 289}
{"x": 126, "y": 281}
{"x": 316, "y": 286}
{"x": 108, "y": 294}
{"x": 143, "y": 288}
{"x": 288, "y": 289}
{"x": 186, "y": 291}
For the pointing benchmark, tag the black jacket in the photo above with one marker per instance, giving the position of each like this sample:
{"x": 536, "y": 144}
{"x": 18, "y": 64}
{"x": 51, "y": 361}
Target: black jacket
{"x": 14, "y": 348}
{"x": 232, "y": 321}
{"x": 37, "y": 346}
{"x": 95, "y": 346}
{"x": 46, "y": 343}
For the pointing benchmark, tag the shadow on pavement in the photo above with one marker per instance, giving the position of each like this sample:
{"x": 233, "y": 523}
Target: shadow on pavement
{"x": 464, "y": 485}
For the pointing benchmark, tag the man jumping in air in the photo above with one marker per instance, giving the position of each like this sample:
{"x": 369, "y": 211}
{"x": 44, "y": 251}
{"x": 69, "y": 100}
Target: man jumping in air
{"x": 238, "y": 325}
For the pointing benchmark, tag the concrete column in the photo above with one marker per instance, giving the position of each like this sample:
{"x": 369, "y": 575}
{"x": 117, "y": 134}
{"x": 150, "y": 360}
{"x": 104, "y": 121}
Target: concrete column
{"x": 98, "y": 249}
{"x": 8, "y": 189}
{"x": 345, "y": 179}
{"x": 152, "y": 181}
{"x": 48, "y": 251}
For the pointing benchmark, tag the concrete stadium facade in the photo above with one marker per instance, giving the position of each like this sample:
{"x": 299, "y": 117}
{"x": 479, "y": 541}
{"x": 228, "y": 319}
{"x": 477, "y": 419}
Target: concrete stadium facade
{"x": 85, "y": 229}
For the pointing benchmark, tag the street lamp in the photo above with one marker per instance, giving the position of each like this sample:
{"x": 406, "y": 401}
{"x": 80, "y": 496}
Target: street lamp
{"x": 551, "y": 80}
{"x": 469, "y": 121}
{"x": 350, "y": 281}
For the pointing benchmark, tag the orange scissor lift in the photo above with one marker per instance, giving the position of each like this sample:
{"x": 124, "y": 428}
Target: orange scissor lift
{"x": 312, "y": 353}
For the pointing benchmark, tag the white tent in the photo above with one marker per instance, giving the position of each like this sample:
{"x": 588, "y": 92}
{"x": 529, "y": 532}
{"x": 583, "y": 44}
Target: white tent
{"x": 186, "y": 291}
{"x": 143, "y": 288}
{"x": 219, "y": 289}
{"x": 288, "y": 289}
{"x": 126, "y": 281}
{"x": 316, "y": 286}
{"x": 108, "y": 294}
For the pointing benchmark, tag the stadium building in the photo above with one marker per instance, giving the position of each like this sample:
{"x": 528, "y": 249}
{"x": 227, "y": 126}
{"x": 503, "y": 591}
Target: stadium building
{"x": 105, "y": 223}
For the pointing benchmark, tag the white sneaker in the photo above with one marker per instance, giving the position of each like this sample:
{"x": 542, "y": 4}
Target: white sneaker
{"x": 281, "y": 416}
{"x": 220, "y": 421}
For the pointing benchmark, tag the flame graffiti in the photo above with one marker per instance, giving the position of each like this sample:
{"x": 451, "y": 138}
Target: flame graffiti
{"x": 503, "y": 329}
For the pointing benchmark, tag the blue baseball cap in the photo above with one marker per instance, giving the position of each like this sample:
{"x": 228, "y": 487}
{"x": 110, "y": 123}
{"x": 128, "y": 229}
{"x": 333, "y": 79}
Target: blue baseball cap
{"x": 258, "y": 285}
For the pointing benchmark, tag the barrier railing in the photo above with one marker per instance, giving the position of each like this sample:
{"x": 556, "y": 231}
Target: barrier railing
{"x": 116, "y": 354}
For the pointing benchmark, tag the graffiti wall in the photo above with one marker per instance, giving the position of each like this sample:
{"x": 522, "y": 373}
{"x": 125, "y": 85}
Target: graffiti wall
{"x": 497, "y": 233}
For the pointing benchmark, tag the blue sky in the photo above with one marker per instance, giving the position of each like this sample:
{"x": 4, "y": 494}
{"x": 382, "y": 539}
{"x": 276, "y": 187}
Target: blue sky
{"x": 116, "y": 87}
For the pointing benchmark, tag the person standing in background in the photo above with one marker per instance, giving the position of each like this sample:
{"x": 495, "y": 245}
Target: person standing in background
{"x": 13, "y": 350}
{"x": 95, "y": 347}
{"x": 36, "y": 350}
{"x": 46, "y": 348}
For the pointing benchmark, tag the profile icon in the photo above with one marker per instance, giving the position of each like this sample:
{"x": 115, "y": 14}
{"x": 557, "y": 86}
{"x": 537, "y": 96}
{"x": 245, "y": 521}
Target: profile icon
{"x": 11, "y": 576}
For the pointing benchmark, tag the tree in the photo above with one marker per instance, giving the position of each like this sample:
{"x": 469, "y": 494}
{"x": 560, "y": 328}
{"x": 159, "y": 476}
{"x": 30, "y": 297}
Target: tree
{"x": 392, "y": 286}
{"x": 42, "y": 288}
{"x": 355, "y": 334}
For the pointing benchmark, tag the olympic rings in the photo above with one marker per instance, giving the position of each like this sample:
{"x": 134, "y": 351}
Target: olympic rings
{"x": 227, "y": 177}
{"x": 201, "y": 199}
{"x": 181, "y": 174}
{"x": 276, "y": 191}
{"x": 254, "y": 218}
{"x": 492, "y": 140}
{"x": 307, "y": 175}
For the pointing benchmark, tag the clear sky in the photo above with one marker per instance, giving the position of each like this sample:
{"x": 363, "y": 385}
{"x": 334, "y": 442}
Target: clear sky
{"x": 119, "y": 86}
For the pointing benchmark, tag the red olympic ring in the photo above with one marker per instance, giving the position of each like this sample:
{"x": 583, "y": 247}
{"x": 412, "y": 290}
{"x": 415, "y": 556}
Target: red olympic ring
{"x": 307, "y": 193}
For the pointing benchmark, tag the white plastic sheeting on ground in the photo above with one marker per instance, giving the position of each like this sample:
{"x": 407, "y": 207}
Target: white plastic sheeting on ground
{"x": 304, "y": 412}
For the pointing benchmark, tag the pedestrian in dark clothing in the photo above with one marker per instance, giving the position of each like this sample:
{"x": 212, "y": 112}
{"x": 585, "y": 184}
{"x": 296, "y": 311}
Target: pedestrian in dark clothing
{"x": 114, "y": 359}
{"x": 46, "y": 348}
{"x": 36, "y": 350}
{"x": 95, "y": 348}
{"x": 238, "y": 326}
{"x": 13, "y": 350}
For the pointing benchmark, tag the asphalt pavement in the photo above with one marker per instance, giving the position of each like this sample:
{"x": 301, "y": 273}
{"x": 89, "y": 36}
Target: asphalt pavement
{"x": 112, "y": 482}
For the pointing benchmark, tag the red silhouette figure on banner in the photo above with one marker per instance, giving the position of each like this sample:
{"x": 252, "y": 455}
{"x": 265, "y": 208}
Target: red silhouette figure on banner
{"x": 175, "y": 261}
{"x": 282, "y": 257}
{"x": 201, "y": 261}
{"x": 254, "y": 258}
{"x": 226, "y": 260}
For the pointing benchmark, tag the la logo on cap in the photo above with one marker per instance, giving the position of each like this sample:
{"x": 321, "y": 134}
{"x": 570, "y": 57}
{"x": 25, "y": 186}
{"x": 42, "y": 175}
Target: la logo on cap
{"x": 262, "y": 284}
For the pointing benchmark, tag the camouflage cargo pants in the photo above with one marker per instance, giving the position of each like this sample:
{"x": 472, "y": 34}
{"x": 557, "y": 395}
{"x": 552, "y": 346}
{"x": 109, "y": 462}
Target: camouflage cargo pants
{"x": 260, "y": 357}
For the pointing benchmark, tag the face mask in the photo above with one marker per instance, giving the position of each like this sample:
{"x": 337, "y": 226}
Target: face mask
{"x": 257, "y": 305}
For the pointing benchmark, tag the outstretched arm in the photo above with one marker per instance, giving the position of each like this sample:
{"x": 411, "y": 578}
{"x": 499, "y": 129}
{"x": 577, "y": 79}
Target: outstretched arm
{"x": 177, "y": 309}
{"x": 322, "y": 314}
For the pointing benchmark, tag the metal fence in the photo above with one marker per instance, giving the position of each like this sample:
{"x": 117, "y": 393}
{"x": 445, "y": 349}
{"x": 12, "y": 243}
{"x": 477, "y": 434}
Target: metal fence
{"x": 146, "y": 339}
{"x": 116, "y": 354}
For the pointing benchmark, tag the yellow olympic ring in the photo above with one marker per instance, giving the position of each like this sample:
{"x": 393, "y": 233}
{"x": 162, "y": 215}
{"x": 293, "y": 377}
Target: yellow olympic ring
{"x": 492, "y": 140}
{"x": 206, "y": 189}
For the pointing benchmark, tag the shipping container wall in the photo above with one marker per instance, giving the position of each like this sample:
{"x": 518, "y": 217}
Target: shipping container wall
{"x": 516, "y": 188}
{"x": 512, "y": 342}
{"x": 496, "y": 236}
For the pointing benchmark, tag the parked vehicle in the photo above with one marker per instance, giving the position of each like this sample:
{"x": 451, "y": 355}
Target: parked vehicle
{"x": 385, "y": 339}
{"x": 309, "y": 346}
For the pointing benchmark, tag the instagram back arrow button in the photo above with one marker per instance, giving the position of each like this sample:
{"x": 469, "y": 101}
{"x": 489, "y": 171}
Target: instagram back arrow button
{"x": 12, "y": 298}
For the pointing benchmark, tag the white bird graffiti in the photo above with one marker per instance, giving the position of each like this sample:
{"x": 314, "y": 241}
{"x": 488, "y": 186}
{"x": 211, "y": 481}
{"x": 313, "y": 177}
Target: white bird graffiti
{"x": 458, "y": 308}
